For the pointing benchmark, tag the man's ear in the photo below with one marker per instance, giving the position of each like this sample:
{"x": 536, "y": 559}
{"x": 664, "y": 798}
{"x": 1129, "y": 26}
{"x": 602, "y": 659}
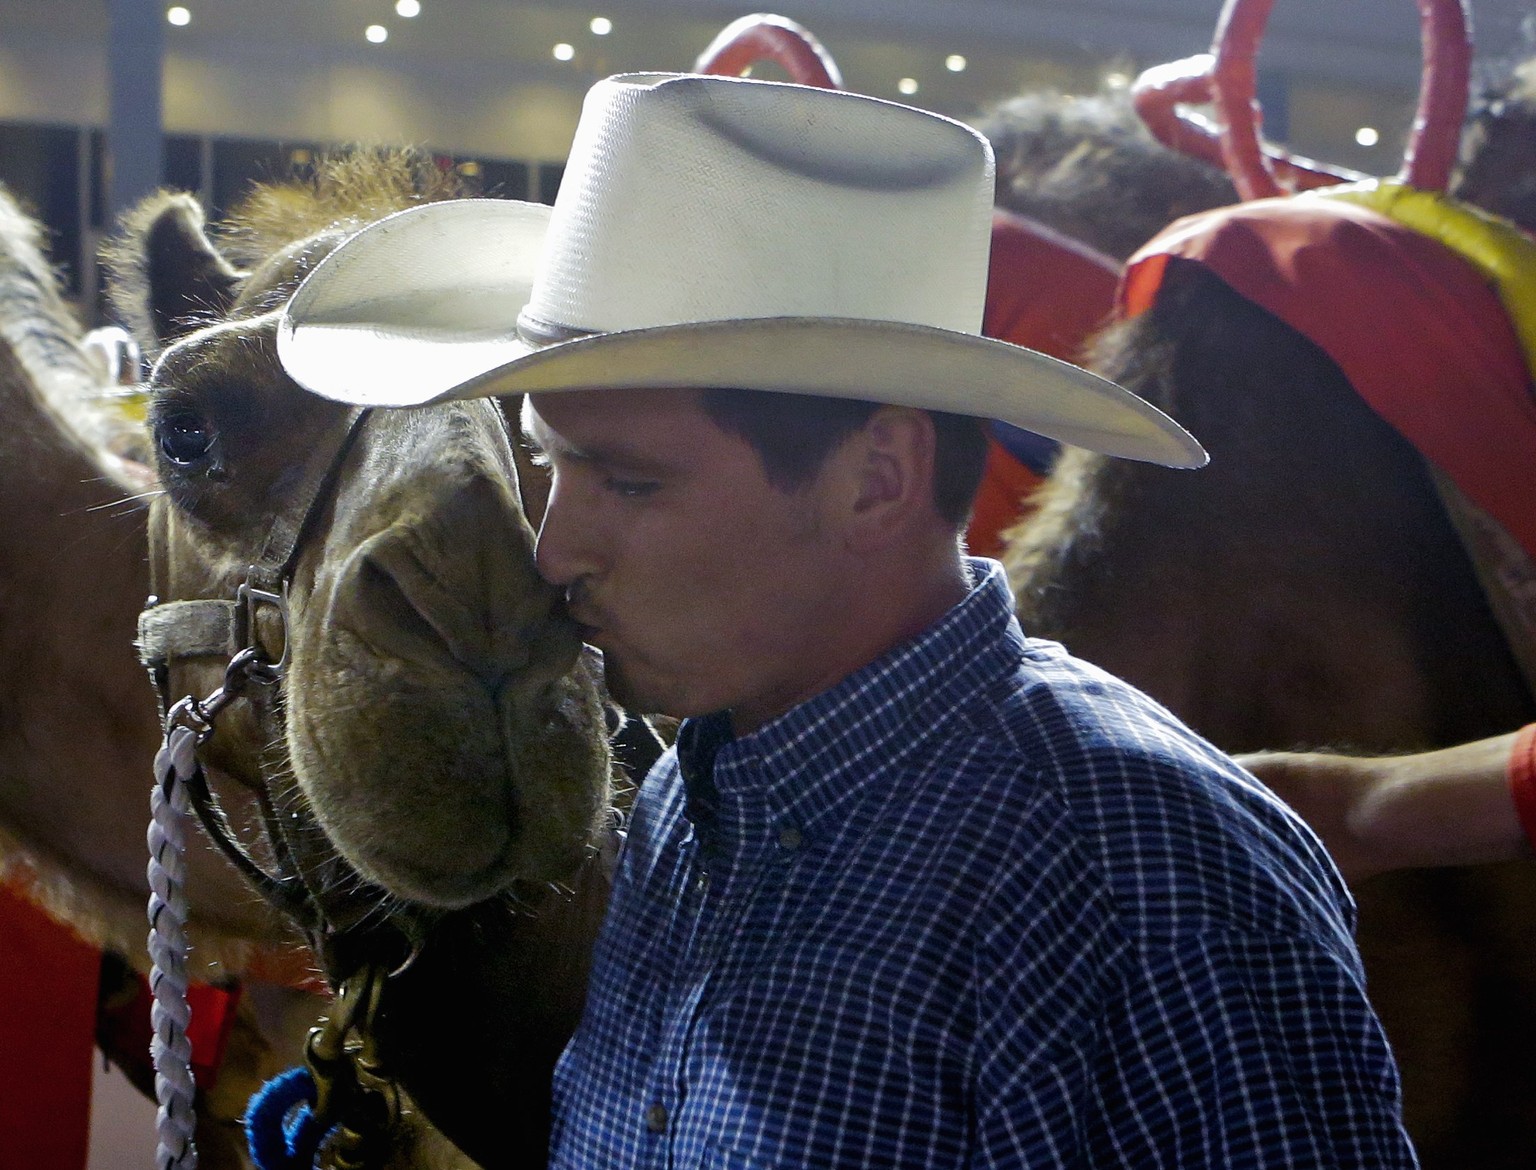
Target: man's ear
{"x": 891, "y": 465}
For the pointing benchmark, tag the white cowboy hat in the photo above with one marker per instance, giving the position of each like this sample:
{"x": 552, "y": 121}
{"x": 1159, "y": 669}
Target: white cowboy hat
{"x": 710, "y": 231}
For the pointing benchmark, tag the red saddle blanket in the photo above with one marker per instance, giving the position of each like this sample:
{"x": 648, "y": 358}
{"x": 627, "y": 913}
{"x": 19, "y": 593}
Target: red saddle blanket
{"x": 47, "y": 1028}
{"x": 49, "y": 1025}
{"x": 1418, "y": 331}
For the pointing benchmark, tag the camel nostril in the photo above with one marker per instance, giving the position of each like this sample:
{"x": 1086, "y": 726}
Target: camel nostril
{"x": 459, "y": 586}
{"x": 409, "y": 615}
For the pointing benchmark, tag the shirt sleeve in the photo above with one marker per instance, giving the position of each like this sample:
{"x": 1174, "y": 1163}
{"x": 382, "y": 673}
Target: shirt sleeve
{"x": 1219, "y": 1052}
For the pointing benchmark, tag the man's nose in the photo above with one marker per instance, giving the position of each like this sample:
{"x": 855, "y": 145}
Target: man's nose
{"x": 560, "y": 553}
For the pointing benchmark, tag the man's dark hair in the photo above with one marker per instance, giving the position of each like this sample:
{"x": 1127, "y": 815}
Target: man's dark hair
{"x": 794, "y": 434}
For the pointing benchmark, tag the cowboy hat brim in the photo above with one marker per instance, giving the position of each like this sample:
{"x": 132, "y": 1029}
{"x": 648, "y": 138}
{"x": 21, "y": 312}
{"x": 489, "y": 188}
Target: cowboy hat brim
{"x": 384, "y": 322}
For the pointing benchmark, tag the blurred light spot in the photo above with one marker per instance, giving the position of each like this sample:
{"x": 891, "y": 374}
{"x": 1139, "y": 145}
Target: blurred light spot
{"x": 907, "y": 85}
{"x": 1367, "y": 136}
{"x": 1117, "y": 80}
{"x": 955, "y": 63}
{"x": 601, "y": 26}
{"x": 178, "y": 15}
{"x": 376, "y": 33}
{"x": 563, "y": 51}
{"x": 408, "y": 8}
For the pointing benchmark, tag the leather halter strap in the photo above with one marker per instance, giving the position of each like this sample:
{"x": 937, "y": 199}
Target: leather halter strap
{"x": 187, "y": 629}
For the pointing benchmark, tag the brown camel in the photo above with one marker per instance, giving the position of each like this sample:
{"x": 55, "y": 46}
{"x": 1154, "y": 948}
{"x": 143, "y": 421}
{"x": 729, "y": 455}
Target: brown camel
{"x": 1307, "y": 590}
{"x": 436, "y": 734}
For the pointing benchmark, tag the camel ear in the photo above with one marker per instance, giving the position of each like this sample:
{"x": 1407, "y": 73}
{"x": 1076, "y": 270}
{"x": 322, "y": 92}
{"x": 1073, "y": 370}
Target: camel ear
{"x": 166, "y": 277}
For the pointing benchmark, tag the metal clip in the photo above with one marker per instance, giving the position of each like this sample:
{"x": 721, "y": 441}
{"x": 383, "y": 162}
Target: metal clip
{"x": 248, "y": 667}
{"x": 355, "y": 1094}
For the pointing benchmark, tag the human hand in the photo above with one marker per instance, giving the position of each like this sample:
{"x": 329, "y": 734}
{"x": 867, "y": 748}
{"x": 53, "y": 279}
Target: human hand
{"x": 1334, "y": 795}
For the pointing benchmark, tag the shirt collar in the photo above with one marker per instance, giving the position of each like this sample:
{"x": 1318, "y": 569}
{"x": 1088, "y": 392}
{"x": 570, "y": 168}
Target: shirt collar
{"x": 807, "y": 768}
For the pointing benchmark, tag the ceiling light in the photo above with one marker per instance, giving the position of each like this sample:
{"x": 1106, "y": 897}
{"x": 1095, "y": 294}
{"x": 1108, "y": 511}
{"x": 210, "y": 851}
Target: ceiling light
{"x": 907, "y": 85}
{"x": 563, "y": 51}
{"x": 601, "y": 26}
{"x": 178, "y": 15}
{"x": 408, "y": 8}
{"x": 1367, "y": 136}
{"x": 955, "y": 63}
{"x": 376, "y": 33}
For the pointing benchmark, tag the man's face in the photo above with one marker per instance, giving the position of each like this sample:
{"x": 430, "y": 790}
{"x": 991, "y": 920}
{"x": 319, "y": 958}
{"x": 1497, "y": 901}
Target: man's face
{"x": 705, "y": 586}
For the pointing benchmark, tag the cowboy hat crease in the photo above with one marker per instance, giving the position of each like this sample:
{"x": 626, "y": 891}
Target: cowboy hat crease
{"x": 710, "y": 231}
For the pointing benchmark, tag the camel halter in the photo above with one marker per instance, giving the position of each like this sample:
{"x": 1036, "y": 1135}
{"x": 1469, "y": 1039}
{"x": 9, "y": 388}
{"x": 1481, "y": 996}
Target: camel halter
{"x": 223, "y": 627}
{"x": 349, "y": 1085}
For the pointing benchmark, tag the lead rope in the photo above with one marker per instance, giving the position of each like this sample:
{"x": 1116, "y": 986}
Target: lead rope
{"x": 170, "y": 1015}
{"x": 187, "y": 724}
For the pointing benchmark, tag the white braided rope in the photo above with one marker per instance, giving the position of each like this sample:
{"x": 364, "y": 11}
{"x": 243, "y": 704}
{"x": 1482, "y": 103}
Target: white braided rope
{"x": 171, "y": 1049}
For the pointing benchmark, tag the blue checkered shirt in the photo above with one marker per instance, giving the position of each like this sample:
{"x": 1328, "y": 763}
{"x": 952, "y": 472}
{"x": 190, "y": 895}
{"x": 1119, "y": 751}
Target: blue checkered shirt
{"x": 979, "y": 904}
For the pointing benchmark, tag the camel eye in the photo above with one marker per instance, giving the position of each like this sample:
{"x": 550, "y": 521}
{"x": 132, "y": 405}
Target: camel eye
{"x": 185, "y": 439}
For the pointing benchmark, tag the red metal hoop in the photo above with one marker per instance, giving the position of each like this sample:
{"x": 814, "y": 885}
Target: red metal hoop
{"x": 766, "y": 37}
{"x": 1227, "y": 77}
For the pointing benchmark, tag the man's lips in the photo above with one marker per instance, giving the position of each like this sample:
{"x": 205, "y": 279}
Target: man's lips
{"x": 588, "y": 624}
{"x": 591, "y": 622}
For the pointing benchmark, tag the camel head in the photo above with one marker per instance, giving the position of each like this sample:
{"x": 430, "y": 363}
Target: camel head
{"x": 1086, "y": 166}
{"x": 436, "y": 728}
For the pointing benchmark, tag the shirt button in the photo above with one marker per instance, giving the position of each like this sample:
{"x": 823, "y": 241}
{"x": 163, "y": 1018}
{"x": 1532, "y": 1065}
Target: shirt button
{"x": 789, "y": 837}
{"x": 656, "y": 1119}
{"x": 701, "y": 883}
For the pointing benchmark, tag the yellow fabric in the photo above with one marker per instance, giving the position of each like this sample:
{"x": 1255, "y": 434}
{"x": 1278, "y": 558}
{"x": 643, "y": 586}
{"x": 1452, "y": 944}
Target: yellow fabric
{"x": 1504, "y": 254}
{"x": 132, "y": 403}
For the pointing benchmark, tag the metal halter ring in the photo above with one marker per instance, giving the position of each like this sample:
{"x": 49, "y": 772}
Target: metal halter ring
{"x": 248, "y": 600}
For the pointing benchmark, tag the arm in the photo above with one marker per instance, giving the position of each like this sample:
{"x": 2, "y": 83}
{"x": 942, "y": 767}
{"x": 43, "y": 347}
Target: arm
{"x": 1455, "y": 806}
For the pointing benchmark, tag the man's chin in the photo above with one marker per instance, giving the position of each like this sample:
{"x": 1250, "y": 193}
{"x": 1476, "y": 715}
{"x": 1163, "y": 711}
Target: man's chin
{"x": 622, "y": 689}
{"x": 637, "y": 698}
